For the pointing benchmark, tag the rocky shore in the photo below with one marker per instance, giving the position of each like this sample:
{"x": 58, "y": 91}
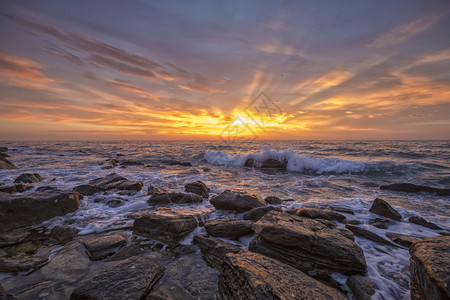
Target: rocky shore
{"x": 173, "y": 251}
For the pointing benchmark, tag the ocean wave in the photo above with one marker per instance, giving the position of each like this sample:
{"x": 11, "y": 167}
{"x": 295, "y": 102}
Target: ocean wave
{"x": 314, "y": 165}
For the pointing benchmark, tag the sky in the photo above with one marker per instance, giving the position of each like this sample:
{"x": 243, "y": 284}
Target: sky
{"x": 180, "y": 70}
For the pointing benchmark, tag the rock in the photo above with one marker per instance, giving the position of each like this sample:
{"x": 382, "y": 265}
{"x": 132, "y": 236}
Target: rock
{"x": 351, "y": 221}
{"x": 343, "y": 210}
{"x": 382, "y": 208}
{"x": 21, "y": 263}
{"x": 130, "y": 279}
{"x": 109, "y": 163}
{"x": 29, "y": 178}
{"x": 239, "y": 202}
{"x": 249, "y": 162}
{"x": 316, "y": 213}
{"x": 307, "y": 244}
{"x": 86, "y": 189}
{"x": 257, "y": 213}
{"x": 273, "y": 200}
{"x": 368, "y": 235}
{"x": 15, "y": 188}
{"x": 412, "y": 188}
{"x": 130, "y": 185}
{"x": 362, "y": 288}
{"x": 101, "y": 247}
{"x": 125, "y": 252}
{"x": 231, "y": 228}
{"x": 248, "y": 275}
{"x": 268, "y": 163}
{"x": 5, "y": 295}
{"x": 11, "y": 238}
{"x": 31, "y": 209}
{"x": 48, "y": 189}
{"x": 430, "y": 268}
{"x": 6, "y": 164}
{"x": 422, "y": 222}
{"x": 153, "y": 190}
{"x": 380, "y": 223}
{"x": 111, "y": 201}
{"x": 404, "y": 240}
{"x": 63, "y": 233}
{"x": 3, "y": 149}
{"x": 115, "y": 181}
{"x": 176, "y": 162}
{"x": 166, "y": 225}
{"x": 131, "y": 163}
{"x": 198, "y": 188}
{"x": 173, "y": 198}
{"x": 214, "y": 250}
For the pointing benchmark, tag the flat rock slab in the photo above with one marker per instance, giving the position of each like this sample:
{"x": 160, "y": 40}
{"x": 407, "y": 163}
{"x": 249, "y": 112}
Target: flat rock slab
{"x": 430, "y": 268}
{"x": 31, "y": 209}
{"x": 382, "y": 208}
{"x": 307, "y": 244}
{"x": 173, "y": 198}
{"x": 130, "y": 279}
{"x": 248, "y": 275}
{"x": 422, "y": 222}
{"x": 15, "y": 188}
{"x": 231, "y": 228}
{"x": 214, "y": 250}
{"x": 5, "y": 295}
{"x": 13, "y": 237}
{"x": 6, "y": 164}
{"x": 236, "y": 201}
{"x": 257, "y": 213}
{"x": 412, "y": 188}
{"x": 359, "y": 231}
{"x": 404, "y": 240}
{"x": 115, "y": 181}
{"x": 317, "y": 213}
{"x": 104, "y": 246}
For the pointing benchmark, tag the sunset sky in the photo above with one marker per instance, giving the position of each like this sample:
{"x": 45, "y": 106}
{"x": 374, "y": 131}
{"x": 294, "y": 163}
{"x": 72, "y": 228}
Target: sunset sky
{"x": 87, "y": 70}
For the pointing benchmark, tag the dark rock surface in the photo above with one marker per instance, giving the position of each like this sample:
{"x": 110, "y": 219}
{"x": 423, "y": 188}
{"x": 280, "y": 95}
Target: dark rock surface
{"x": 15, "y": 188}
{"x": 101, "y": 247}
{"x": 21, "y": 263}
{"x": 257, "y": 213}
{"x": 269, "y": 163}
{"x": 430, "y": 268}
{"x": 173, "y": 198}
{"x": 6, "y": 164}
{"x": 362, "y": 288}
{"x": 87, "y": 189}
{"x": 248, "y": 275}
{"x": 307, "y": 244}
{"x": 130, "y": 279}
{"x": 412, "y": 188}
{"x": 352, "y": 221}
{"x": 63, "y": 233}
{"x": 273, "y": 200}
{"x": 198, "y": 188}
{"x": 359, "y": 231}
{"x": 29, "y": 178}
{"x": 115, "y": 181}
{"x": 404, "y": 240}
{"x": 381, "y": 223}
{"x": 111, "y": 201}
{"x": 236, "y": 201}
{"x": 214, "y": 250}
{"x": 382, "y": 208}
{"x": 11, "y": 238}
{"x": 317, "y": 213}
{"x": 31, "y": 209}
{"x": 154, "y": 189}
{"x": 127, "y": 251}
{"x": 231, "y": 228}
{"x": 5, "y": 295}
{"x": 422, "y": 222}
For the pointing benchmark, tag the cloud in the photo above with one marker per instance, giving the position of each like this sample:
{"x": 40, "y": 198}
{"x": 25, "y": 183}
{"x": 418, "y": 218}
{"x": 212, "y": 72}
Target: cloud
{"x": 201, "y": 84}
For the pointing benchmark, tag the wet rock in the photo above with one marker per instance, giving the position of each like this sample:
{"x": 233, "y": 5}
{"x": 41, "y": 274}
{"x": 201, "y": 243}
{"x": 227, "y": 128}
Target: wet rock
{"x": 316, "y": 213}
{"x": 166, "y": 225}
{"x": 198, "y": 188}
{"x": 25, "y": 210}
{"x": 3, "y": 149}
{"x": 115, "y": 181}
{"x": 248, "y": 275}
{"x": 11, "y": 238}
{"x": 63, "y": 233}
{"x": 359, "y": 231}
{"x": 422, "y": 222}
{"x": 86, "y": 189}
{"x": 101, "y": 247}
{"x": 173, "y": 198}
{"x": 214, "y": 250}
{"x": 236, "y": 201}
{"x": 131, "y": 163}
{"x": 153, "y": 190}
{"x": 404, "y": 240}
{"x": 382, "y": 208}
{"x": 430, "y": 268}
{"x": 269, "y": 163}
{"x": 249, "y": 162}
{"x": 362, "y": 288}
{"x": 176, "y": 162}
{"x": 412, "y": 188}
{"x": 130, "y": 279}
{"x": 112, "y": 202}
{"x": 15, "y": 188}
{"x": 109, "y": 163}
{"x": 343, "y": 210}
{"x": 130, "y": 185}
{"x": 29, "y": 178}
{"x": 273, "y": 200}
{"x": 125, "y": 252}
{"x": 307, "y": 244}
{"x": 351, "y": 221}
{"x": 6, "y": 164}
{"x": 231, "y": 228}
{"x": 257, "y": 213}
{"x": 380, "y": 223}
{"x": 48, "y": 189}
{"x": 5, "y": 295}
{"x": 21, "y": 263}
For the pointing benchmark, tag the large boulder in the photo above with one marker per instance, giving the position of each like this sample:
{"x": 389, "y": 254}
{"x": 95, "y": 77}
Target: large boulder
{"x": 101, "y": 247}
{"x": 307, "y": 244}
{"x": 382, "y": 208}
{"x": 412, "y": 188}
{"x": 29, "y": 178}
{"x": 214, "y": 250}
{"x": 248, "y": 275}
{"x": 15, "y": 188}
{"x": 115, "y": 181}
{"x": 63, "y": 234}
{"x": 173, "y": 198}
{"x": 166, "y": 225}
{"x": 6, "y": 164}
{"x": 362, "y": 288}
{"x": 268, "y": 163}
{"x": 317, "y": 213}
{"x": 274, "y": 200}
{"x": 86, "y": 189}
{"x": 198, "y": 188}
{"x": 430, "y": 268}
{"x": 130, "y": 279}
{"x": 231, "y": 228}
{"x": 25, "y": 210}
{"x": 422, "y": 222}
{"x": 236, "y": 201}
{"x": 257, "y": 213}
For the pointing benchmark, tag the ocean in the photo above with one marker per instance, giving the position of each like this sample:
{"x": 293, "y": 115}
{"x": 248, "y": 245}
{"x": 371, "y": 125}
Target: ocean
{"x": 344, "y": 174}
